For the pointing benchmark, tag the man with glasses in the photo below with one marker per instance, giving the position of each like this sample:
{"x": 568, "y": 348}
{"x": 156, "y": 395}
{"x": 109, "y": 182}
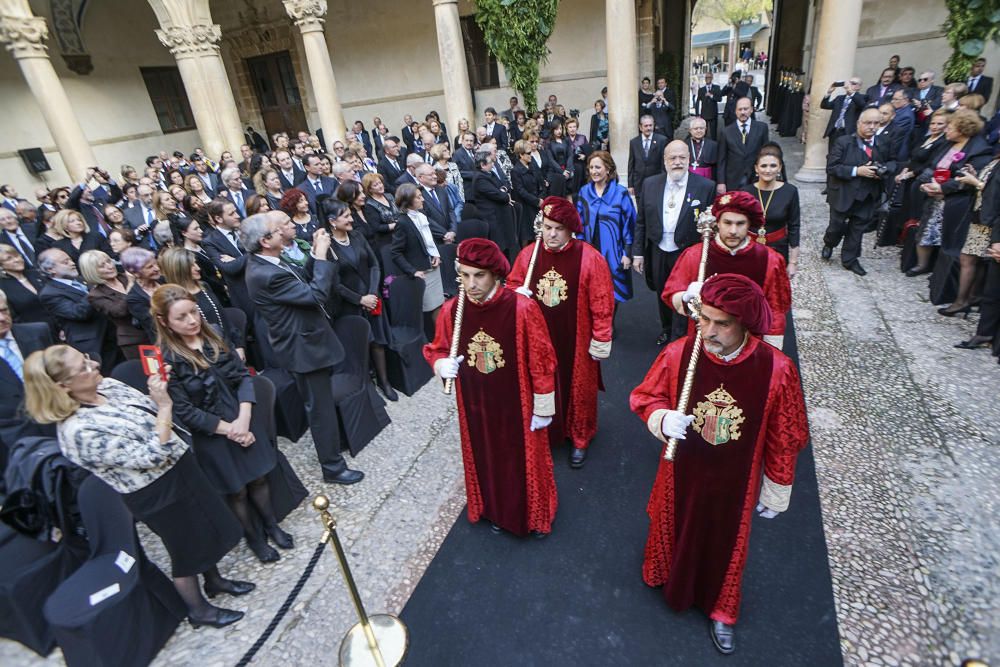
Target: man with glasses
{"x": 844, "y": 107}
{"x": 926, "y": 98}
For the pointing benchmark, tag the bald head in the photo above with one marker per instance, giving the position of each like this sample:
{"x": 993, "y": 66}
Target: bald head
{"x": 868, "y": 123}
{"x": 675, "y": 159}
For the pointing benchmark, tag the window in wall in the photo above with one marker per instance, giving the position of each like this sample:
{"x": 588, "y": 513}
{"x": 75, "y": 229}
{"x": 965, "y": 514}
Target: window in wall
{"x": 170, "y": 102}
{"x": 483, "y": 72}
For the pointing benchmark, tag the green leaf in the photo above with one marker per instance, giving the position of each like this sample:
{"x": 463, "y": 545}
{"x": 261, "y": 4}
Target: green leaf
{"x": 972, "y": 47}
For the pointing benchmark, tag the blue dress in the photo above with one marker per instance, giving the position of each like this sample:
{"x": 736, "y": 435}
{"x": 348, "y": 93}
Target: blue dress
{"x": 609, "y": 226}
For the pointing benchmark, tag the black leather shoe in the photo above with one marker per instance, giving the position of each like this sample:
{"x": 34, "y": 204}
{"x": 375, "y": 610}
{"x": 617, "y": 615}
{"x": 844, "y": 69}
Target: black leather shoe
{"x": 387, "y": 391}
{"x": 495, "y": 528}
{"x": 345, "y": 477}
{"x": 538, "y": 535}
{"x": 264, "y": 552}
{"x": 279, "y": 537}
{"x": 974, "y": 342}
{"x": 229, "y": 587}
{"x": 577, "y": 457}
{"x": 855, "y": 267}
{"x": 723, "y": 636}
{"x": 917, "y": 271}
{"x": 827, "y": 252}
{"x": 662, "y": 339}
{"x": 217, "y": 618}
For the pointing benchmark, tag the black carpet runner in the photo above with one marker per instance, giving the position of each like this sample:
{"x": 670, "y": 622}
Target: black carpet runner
{"x": 577, "y": 597}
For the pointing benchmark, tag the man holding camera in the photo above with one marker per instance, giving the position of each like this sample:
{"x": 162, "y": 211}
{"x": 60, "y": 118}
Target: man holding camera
{"x": 855, "y": 168}
{"x": 845, "y": 108}
{"x": 661, "y": 108}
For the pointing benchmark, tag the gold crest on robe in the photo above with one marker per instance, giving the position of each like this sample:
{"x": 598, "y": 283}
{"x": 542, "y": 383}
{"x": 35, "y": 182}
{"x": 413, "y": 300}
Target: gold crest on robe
{"x": 551, "y": 289}
{"x": 718, "y": 418}
{"x": 484, "y": 353}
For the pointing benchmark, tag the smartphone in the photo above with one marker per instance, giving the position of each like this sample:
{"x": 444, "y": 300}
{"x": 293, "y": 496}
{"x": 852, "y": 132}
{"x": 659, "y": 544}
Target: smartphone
{"x": 838, "y": 84}
{"x": 152, "y": 361}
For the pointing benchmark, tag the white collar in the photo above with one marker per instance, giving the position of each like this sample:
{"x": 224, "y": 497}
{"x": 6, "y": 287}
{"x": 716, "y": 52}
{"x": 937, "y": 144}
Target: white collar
{"x": 722, "y": 245}
{"x": 735, "y": 353}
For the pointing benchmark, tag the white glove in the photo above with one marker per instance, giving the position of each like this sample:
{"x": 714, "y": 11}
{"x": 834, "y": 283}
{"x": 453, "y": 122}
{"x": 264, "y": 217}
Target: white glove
{"x": 538, "y": 423}
{"x": 675, "y": 424}
{"x": 447, "y": 368}
{"x": 525, "y": 291}
{"x": 766, "y": 512}
{"x": 693, "y": 290}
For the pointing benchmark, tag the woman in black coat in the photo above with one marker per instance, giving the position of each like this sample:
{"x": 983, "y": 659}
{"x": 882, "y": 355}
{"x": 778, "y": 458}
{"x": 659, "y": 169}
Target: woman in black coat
{"x": 558, "y": 160}
{"x": 75, "y": 236}
{"x": 22, "y": 285}
{"x": 493, "y": 201}
{"x": 214, "y": 397}
{"x": 528, "y": 190}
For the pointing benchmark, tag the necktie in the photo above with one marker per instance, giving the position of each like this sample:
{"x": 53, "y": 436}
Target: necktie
{"x": 972, "y": 84}
{"x": 22, "y": 246}
{"x": 843, "y": 113}
{"x": 238, "y": 200}
{"x": 147, "y": 213}
{"x": 645, "y": 147}
{"x": 101, "y": 222}
{"x": 743, "y": 131}
{"x": 868, "y": 149}
{"x": 12, "y": 358}
{"x": 317, "y": 186}
{"x": 236, "y": 241}
{"x": 78, "y": 285}
{"x": 434, "y": 197}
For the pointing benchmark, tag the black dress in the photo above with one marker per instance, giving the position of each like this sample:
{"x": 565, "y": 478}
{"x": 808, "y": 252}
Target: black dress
{"x": 359, "y": 273}
{"x": 379, "y": 217}
{"x": 212, "y": 276}
{"x": 24, "y": 304}
{"x": 91, "y": 241}
{"x": 558, "y": 158}
{"x": 204, "y": 397}
{"x": 782, "y": 213}
{"x": 306, "y": 231}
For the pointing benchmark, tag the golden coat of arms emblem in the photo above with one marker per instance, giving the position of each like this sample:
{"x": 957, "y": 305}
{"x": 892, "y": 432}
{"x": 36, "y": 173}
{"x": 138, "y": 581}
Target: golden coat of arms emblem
{"x": 484, "y": 353}
{"x": 718, "y": 418}
{"x": 551, "y": 289}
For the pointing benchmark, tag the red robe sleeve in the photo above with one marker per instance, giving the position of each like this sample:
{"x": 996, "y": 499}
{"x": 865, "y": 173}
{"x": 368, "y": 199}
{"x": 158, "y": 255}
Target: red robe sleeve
{"x": 777, "y": 291}
{"x": 596, "y": 276}
{"x": 541, "y": 356}
{"x": 787, "y": 434}
{"x": 658, "y": 390}
{"x": 684, "y": 273}
{"x": 520, "y": 269}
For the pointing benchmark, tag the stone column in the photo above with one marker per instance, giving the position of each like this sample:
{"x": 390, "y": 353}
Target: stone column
{"x": 454, "y": 70}
{"x": 196, "y": 48}
{"x": 309, "y": 16}
{"x": 24, "y": 36}
{"x": 623, "y": 78}
{"x": 836, "y": 46}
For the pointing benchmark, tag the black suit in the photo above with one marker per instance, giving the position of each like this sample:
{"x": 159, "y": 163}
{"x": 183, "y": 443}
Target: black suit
{"x": 983, "y": 87}
{"x": 327, "y": 186}
{"x": 216, "y": 244}
{"x": 213, "y": 185}
{"x": 500, "y": 133}
{"x": 852, "y": 198}
{"x": 24, "y": 304}
{"x": 528, "y": 189}
{"x": 91, "y": 241}
{"x": 85, "y": 328}
{"x": 135, "y": 218}
{"x": 407, "y": 135}
{"x": 391, "y": 172}
{"x": 358, "y": 274}
{"x": 440, "y": 213}
{"x": 736, "y": 157}
{"x": 290, "y": 303}
{"x": 645, "y": 163}
{"x": 241, "y": 207}
{"x": 704, "y": 155}
{"x": 364, "y": 140}
{"x": 708, "y": 107}
{"x": 493, "y": 202}
{"x": 649, "y": 232}
{"x": 405, "y": 177}
{"x": 873, "y": 97}
{"x": 466, "y": 166}
{"x": 14, "y": 422}
{"x": 25, "y": 247}
{"x": 409, "y": 251}
{"x": 288, "y": 183}
{"x": 755, "y": 97}
{"x": 855, "y": 105}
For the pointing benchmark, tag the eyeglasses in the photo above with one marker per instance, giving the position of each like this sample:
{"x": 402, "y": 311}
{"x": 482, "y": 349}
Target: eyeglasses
{"x": 923, "y": 79}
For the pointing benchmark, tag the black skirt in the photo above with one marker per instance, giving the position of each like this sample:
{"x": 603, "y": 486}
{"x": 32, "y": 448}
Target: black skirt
{"x": 183, "y": 509}
{"x": 228, "y": 466}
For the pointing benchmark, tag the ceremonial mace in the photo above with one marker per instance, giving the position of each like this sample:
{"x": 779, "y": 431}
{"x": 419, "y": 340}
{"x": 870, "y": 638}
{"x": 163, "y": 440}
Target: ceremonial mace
{"x": 456, "y": 332}
{"x": 380, "y": 640}
{"x": 706, "y": 227}
{"x": 534, "y": 252}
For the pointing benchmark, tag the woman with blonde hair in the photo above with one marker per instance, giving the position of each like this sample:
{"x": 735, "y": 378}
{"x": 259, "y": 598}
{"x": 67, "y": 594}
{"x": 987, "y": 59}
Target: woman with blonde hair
{"x": 109, "y": 296}
{"x": 267, "y": 183}
{"x": 441, "y": 154}
{"x": 74, "y": 235}
{"x": 195, "y": 187}
{"x": 128, "y": 440}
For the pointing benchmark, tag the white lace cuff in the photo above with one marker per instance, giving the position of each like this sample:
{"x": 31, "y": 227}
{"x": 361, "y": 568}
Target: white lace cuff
{"x": 545, "y": 404}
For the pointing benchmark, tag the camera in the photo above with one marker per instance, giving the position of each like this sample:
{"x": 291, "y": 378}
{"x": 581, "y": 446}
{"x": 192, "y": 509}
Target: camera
{"x": 574, "y": 113}
{"x": 880, "y": 169}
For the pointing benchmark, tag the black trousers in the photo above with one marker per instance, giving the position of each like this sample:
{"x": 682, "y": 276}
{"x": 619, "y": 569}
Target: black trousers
{"x": 660, "y": 265}
{"x": 317, "y": 393}
{"x": 849, "y": 227}
{"x": 713, "y": 128}
{"x": 989, "y": 308}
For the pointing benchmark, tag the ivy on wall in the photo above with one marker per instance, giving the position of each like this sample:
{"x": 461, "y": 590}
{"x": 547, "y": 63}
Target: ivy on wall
{"x": 516, "y": 32}
{"x": 969, "y": 26}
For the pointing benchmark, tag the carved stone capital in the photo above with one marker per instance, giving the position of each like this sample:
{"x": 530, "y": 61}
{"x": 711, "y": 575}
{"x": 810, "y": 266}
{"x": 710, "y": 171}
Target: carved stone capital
{"x": 191, "y": 40}
{"x": 24, "y": 36}
{"x": 308, "y": 15}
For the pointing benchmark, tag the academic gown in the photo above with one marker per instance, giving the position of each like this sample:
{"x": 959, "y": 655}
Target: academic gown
{"x": 741, "y": 449}
{"x": 761, "y": 264}
{"x": 508, "y": 374}
{"x": 573, "y": 287}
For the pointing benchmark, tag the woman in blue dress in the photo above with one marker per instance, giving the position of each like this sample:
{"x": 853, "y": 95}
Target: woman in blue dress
{"x": 608, "y": 216}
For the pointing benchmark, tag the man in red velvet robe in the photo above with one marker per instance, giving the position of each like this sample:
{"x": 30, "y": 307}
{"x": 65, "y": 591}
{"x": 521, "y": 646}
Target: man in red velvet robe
{"x": 573, "y": 286}
{"x": 506, "y": 394}
{"x": 737, "y": 450}
{"x": 733, "y": 250}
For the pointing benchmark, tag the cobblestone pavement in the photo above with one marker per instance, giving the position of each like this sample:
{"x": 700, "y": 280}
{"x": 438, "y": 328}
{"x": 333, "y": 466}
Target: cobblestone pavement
{"x": 905, "y": 436}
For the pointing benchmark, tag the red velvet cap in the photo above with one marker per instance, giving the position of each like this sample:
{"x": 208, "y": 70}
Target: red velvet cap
{"x": 743, "y": 203}
{"x": 558, "y": 209}
{"x": 740, "y": 297}
{"x": 483, "y": 254}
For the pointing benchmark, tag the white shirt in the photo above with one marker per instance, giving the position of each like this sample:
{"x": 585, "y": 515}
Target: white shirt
{"x": 424, "y": 227}
{"x": 672, "y": 215}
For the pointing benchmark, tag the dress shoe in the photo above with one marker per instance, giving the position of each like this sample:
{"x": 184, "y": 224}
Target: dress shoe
{"x": 387, "y": 391}
{"x": 539, "y": 535}
{"x": 216, "y": 618}
{"x": 723, "y": 636}
{"x": 229, "y": 587}
{"x": 662, "y": 339}
{"x": 264, "y": 552}
{"x": 974, "y": 342}
{"x": 577, "y": 457}
{"x": 345, "y": 477}
{"x": 951, "y": 311}
{"x": 918, "y": 271}
{"x": 495, "y": 528}
{"x": 855, "y": 267}
{"x": 279, "y": 537}
{"x": 827, "y": 252}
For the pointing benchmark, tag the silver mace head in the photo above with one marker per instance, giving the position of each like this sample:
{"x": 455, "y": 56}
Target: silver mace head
{"x": 706, "y": 221}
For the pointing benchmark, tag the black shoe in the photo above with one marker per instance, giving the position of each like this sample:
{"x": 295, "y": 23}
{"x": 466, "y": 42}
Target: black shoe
{"x": 577, "y": 457}
{"x": 345, "y": 477}
{"x": 495, "y": 528}
{"x": 723, "y": 636}
{"x": 264, "y": 552}
{"x": 387, "y": 391}
{"x": 918, "y": 271}
{"x": 538, "y": 535}
{"x": 229, "y": 587}
{"x": 951, "y": 311}
{"x": 855, "y": 267}
{"x": 662, "y": 339}
{"x": 827, "y": 252}
{"x": 279, "y": 537}
{"x": 217, "y": 618}
{"x": 974, "y": 342}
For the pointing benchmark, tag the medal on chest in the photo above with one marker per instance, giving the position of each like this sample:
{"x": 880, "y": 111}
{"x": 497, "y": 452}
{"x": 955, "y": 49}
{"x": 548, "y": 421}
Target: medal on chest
{"x": 552, "y": 289}
{"x": 718, "y": 418}
{"x": 484, "y": 353}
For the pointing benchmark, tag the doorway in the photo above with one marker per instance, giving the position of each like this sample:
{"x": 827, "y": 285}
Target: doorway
{"x": 277, "y": 93}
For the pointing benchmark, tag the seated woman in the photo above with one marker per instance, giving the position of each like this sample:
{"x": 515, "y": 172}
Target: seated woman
{"x": 359, "y": 284}
{"x": 128, "y": 441}
{"x": 108, "y": 295}
{"x": 213, "y": 395}
{"x": 74, "y": 234}
{"x": 141, "y": 265}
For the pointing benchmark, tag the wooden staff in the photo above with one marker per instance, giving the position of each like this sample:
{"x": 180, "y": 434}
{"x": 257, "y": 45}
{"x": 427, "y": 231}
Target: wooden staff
{"x": 456, "y": 333}
{"x": 706, "y": 223}
{"x": 534, "y": 252}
